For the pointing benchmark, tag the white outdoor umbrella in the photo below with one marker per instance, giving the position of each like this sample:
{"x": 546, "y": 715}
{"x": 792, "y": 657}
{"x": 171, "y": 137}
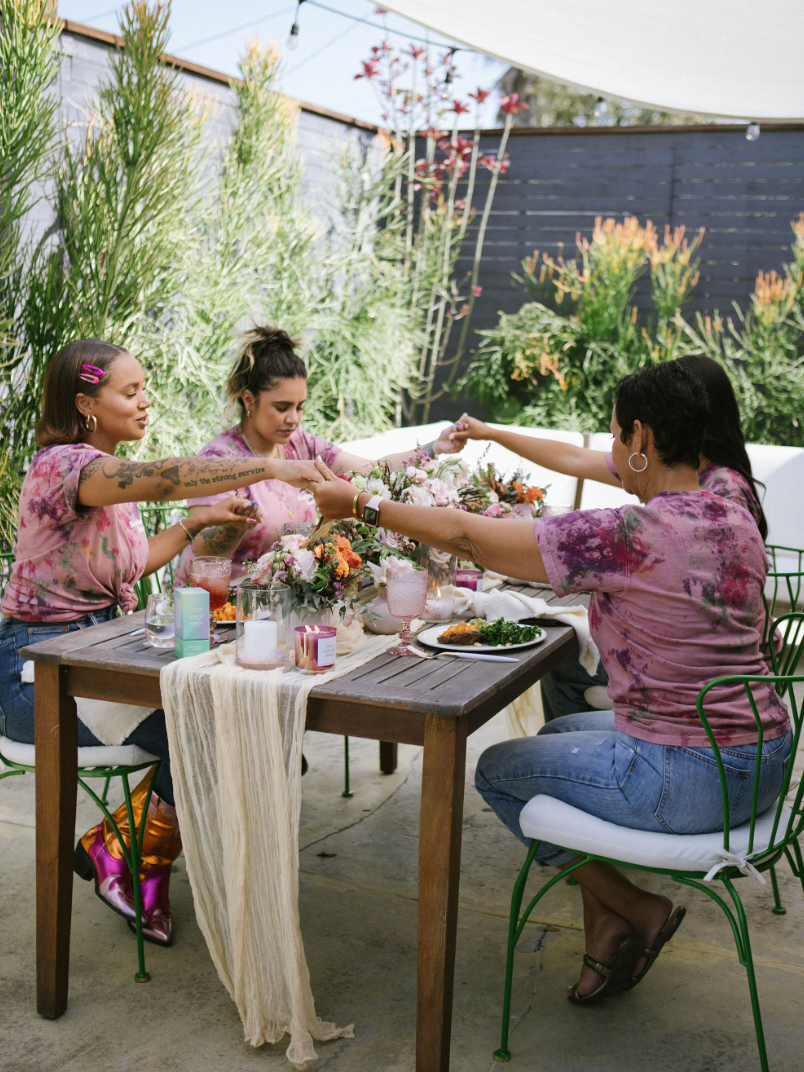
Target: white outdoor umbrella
{"x": 736, "y": 58}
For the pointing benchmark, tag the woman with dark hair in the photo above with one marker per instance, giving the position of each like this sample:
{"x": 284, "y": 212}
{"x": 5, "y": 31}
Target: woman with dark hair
{"x": 724, "y": 469}
{"x": 676, "y": 599}
{"x": 266, "y": 393}
{"x": 81, "y": 547}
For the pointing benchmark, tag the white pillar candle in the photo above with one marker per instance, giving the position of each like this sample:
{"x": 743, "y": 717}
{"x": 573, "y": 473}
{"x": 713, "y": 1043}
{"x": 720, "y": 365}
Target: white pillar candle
{"x": 259, "y": 641}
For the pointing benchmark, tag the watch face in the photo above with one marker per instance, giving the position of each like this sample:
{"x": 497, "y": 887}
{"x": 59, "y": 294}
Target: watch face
{"x": 371, "y": 515}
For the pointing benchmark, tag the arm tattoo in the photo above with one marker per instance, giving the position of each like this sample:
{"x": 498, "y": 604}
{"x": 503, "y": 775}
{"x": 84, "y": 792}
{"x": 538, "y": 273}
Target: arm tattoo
{"x": 219, "y": 540}
{"x": 180, "y": 472}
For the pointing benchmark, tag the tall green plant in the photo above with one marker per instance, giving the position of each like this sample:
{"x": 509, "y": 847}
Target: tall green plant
{"x": 557, "y": 364}
{"x": 29, "y": 62}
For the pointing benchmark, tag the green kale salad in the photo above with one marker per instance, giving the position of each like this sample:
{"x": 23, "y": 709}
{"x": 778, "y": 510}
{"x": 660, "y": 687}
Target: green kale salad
{"x": 501, "y": 632}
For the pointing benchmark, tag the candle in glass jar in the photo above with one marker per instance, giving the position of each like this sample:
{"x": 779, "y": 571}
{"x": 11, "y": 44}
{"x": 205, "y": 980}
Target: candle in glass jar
{"x": 469, "y": 578}
{"x": 260, "y": 641}
{"x": 315, "y": 648}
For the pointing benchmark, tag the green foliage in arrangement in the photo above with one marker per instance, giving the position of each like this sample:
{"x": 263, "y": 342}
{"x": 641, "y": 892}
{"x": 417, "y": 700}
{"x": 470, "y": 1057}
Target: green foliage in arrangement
{"x": 557, "y": 361}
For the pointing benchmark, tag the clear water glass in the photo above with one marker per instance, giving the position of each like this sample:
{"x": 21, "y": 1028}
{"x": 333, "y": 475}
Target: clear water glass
{"x": 406, "y": 592}
{"x": 159, "y": 620}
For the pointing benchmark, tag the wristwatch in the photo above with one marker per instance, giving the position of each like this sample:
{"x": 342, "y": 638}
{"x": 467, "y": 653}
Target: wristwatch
{"x": 371, "y": 511}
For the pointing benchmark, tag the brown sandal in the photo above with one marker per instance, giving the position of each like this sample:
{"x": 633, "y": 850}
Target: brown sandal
{"x": 616, "y": 975}
{"x": 668, "y": 929}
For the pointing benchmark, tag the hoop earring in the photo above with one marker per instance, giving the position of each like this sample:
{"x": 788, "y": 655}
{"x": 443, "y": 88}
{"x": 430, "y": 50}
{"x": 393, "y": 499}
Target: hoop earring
{"x": 248, "y": 412}
{"x": 638, "y": 454}
{"x": 94, "y": 419}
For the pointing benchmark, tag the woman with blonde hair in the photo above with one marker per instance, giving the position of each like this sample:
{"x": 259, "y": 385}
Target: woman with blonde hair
{"x": 81, "y": 547}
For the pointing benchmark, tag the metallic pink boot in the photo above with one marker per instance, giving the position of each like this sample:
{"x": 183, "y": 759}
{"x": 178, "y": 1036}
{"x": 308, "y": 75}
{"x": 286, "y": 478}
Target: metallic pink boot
{"x": 112, "y": 876}
{"x": 161, "y": 847}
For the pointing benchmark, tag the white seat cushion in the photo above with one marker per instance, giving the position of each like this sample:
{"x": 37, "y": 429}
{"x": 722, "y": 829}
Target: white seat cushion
{"x": 124, "y": 755}
{"x": 551, "y": 820}
{"x": 597, "y": 696}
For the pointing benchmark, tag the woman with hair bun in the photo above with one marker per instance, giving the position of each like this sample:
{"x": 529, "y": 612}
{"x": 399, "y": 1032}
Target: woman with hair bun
{"x": 80, "y": 549}
{"x": 266, "y": 392}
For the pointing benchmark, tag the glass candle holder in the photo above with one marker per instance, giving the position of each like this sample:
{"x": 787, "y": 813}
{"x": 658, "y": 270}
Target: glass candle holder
{"x": 315, "y": 648}
{"x": 262, "y": 619}
{"x": 469, "y": 578}
{"x": 441, "y": 567}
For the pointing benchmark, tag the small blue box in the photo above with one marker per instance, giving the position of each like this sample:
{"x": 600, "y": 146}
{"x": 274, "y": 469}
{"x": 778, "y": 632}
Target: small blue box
{"x": 191, "y": 621}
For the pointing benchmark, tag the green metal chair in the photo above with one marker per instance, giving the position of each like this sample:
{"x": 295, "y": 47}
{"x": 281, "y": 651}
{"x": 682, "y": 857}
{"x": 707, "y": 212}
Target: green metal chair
{"x": 107, "y": 763}
{"x": 751, "y": 848}
{"x": 785, "y": 586}
{"x": 156, "y": 517}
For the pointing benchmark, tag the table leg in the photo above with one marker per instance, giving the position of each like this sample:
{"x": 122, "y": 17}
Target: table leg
{"x": 56, "y": 743}
{"x": 443, "y": 773}
{"x": 388, "y": 757}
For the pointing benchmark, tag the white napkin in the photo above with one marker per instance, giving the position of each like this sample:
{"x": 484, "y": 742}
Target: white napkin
{"x": 505, "y": 603}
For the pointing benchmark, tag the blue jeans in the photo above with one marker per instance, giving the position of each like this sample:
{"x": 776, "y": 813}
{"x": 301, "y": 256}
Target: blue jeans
{"x": 582, "y": 760}
{"x": 17, "y": 699}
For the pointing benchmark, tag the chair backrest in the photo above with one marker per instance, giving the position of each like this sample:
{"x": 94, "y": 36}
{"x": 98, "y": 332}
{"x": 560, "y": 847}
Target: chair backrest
{"x": 781, "y": 470}
{"x": 156, "y": 517}
{"x": 784, "y": 681}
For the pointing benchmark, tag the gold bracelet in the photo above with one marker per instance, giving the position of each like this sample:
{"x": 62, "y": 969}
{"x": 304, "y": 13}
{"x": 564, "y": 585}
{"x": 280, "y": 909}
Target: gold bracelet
{"x": 354, "y": 506}
{"x": 180, "y": 523}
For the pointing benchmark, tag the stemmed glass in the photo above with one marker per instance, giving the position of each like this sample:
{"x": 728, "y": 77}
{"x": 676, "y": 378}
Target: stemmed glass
{"x": 212, "y": 574}
{"x": 406, "y": 593}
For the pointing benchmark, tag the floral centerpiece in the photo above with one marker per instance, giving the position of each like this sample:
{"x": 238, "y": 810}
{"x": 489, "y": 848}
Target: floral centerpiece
{"x": 322, "y": 578}
{"x": 446, "y": 482}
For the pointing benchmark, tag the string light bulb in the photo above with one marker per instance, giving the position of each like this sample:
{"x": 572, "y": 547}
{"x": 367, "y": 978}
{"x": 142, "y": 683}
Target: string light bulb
{"x": 752, "y": 132}
{"x": 599, "y": 109}
{"x": 448, "y": 75}
{"x": 292, "y": 42}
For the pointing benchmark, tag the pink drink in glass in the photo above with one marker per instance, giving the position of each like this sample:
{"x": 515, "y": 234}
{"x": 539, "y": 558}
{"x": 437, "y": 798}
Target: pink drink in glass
{"x": 213, "y": 575}
{"x": 407, "y": 592}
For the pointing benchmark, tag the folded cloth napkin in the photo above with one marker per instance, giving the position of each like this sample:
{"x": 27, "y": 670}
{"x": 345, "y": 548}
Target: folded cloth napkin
{"x": 505, "y": 603}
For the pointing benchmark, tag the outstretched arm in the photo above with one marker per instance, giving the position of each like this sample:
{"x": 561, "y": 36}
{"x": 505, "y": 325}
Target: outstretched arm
{"x": 501, "y": 545}
{"x": 347, "y": 463}
{"x": 106, "y": 480}
{"x": 565, "y": 458}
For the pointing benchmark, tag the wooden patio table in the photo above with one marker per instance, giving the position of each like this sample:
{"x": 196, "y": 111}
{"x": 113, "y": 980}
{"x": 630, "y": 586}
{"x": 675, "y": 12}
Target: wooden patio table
{"x": 435, "y": 703}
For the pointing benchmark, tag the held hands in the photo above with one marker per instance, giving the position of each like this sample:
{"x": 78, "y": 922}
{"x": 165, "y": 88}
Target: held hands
{"x": 467, "y": 427}
{"x": 333, "y": 496}
{"x": 296, "y": 473}
{"x": 448, "y": 441}
{"x": 236, "y": 510}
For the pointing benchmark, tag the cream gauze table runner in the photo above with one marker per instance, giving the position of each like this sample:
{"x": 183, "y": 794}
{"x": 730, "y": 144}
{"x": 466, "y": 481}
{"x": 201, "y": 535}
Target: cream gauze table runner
{"x": 236, "y": 747}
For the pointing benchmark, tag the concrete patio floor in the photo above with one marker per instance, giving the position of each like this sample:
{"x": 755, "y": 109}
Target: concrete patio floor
{"x": 359, "y": 923}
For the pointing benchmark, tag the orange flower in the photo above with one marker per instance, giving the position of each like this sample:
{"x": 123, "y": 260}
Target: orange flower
{"x": 533, "y": 494}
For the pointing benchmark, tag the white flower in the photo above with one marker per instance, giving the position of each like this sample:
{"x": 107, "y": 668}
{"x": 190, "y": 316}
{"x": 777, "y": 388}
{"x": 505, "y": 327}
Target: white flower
{"x": 263, "y": 569}
{"x": 492, "y": 496}
{"x": 304, "y": 564}
{"x": 293, "y": 542}
{"x": 375, "y": 486}
{"x": 359, "y": 482}
{"x": 418, "y": 496}
{"x": 524, "y": 510}
{"x": 442, "y": 492}
{"x": 380, "y": 572}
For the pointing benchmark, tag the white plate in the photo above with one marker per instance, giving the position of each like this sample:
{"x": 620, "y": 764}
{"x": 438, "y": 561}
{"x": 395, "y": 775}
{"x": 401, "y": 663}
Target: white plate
{"x": 430, "y": 638}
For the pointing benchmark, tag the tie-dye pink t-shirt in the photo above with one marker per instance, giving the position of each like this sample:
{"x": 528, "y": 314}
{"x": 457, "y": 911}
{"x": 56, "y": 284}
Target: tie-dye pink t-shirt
{"x": 279, "y": 503}
{"x": 676, "y": 601}
{"x": 71, "y": 559}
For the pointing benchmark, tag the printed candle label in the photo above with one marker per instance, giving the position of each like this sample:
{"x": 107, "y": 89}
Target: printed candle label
{"x": 326, "y": 650}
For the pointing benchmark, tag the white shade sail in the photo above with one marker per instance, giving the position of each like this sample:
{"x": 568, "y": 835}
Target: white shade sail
{"x": 735, "y": 58}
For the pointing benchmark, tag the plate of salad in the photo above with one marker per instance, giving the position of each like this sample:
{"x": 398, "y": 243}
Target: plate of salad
{"x": 480, "y": 635}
